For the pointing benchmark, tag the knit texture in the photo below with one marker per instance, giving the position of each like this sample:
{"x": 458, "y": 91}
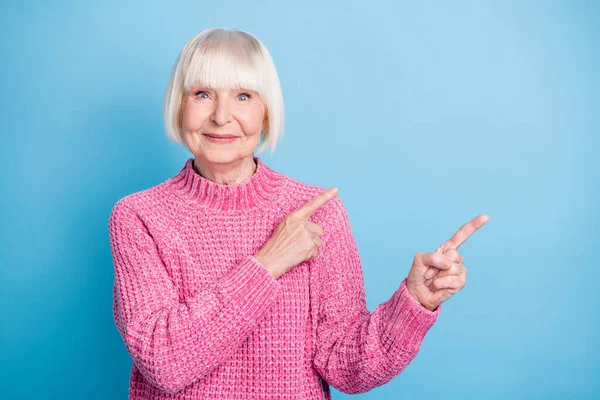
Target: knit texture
{"x": 202, "y": 319}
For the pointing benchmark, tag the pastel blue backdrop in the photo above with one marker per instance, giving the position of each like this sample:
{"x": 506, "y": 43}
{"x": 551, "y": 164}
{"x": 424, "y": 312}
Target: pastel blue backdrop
{"x": 424, "y": 114}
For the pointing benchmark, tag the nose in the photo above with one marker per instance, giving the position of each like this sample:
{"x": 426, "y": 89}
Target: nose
{"x": 221, "y": 114}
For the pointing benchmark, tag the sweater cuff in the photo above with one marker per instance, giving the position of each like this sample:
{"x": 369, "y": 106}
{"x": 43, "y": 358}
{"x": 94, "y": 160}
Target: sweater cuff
{"x": 251, "y": 287}
{"x": 407, "y": 320}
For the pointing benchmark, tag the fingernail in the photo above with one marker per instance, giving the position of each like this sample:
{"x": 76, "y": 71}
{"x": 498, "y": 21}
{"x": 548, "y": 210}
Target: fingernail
{"x": 428, "y": 282}
{"x": 429, "y": 274}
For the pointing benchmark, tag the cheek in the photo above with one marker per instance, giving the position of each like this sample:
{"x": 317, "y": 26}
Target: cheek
{"x": 186, "y": 118}
{"x": 252, "y": 121}
{"x": 192, "y": 117}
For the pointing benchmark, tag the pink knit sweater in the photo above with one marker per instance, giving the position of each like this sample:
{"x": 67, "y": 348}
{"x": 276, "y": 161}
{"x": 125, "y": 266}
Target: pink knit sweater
{"x": 203, "y": 319}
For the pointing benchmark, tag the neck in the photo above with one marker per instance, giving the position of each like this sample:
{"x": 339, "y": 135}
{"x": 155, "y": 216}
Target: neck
{"x": 243, "y": 188}
{"x": 226, "y": 174}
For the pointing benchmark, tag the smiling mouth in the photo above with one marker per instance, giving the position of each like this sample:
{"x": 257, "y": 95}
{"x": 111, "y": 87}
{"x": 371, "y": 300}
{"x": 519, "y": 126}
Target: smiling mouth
{"x": 220, "y": 136}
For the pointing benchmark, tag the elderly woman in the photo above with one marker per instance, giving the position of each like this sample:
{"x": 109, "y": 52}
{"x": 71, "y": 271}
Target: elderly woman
{"x": 235, "y": 281}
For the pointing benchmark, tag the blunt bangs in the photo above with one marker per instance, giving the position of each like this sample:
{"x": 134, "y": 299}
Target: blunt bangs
{"x": 225, "y": 58}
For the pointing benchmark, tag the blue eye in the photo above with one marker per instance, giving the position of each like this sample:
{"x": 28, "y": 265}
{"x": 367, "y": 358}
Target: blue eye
{"x": 198, "y": 93}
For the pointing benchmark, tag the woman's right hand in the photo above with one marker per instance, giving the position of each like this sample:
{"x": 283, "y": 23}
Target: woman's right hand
{"x": 295, "y": 239}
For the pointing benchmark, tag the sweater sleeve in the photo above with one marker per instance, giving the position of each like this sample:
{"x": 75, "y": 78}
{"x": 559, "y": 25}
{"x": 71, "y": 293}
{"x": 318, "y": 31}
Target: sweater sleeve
{"x": 358, "y": 350}
{"x": 175, "y": 343}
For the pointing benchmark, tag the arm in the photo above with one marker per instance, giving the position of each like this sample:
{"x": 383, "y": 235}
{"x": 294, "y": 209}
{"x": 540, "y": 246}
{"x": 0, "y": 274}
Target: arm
{"x": 358, "y": 350}
{"x": 175, "y": 343}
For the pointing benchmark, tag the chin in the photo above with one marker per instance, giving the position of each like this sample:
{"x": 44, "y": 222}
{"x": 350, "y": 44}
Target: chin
{"x": 219, "y": 156}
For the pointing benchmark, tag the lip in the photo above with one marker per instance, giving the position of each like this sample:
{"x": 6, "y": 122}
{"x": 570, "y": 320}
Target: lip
{"x": 220, "y": 138}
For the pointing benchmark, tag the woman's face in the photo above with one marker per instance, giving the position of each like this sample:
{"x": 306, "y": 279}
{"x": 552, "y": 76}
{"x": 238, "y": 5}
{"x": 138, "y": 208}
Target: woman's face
{"x": 232, "y": 112}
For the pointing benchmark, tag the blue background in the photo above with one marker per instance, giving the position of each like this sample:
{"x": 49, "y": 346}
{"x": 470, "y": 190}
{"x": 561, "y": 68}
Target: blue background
{"x": 424, "y": 114}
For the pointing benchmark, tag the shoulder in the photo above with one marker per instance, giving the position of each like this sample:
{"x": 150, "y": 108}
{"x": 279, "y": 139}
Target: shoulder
{"x": 143, "y": 203}
{"x": 338, "y": 238}
{"x": 333, "y": 212}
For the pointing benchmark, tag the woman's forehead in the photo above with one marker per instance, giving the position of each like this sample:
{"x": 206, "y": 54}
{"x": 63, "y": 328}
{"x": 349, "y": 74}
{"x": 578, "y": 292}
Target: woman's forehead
{"x": 199, "y": 86}
{"x": 218, "y": 73}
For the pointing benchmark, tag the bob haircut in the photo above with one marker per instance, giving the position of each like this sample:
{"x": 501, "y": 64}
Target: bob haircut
{"x": 225, "y": 58}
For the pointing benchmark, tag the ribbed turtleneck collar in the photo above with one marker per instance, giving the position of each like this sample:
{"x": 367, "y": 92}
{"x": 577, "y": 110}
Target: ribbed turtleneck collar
{"x": 258, "y": 190}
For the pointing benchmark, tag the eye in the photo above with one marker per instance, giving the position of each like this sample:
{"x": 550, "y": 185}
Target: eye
{"x": 245, "y": 94}
{"x": 201, "y": 91}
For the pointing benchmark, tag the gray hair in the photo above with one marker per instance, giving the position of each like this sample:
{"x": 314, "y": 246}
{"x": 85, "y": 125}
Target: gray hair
{"x": 225, "y": 58}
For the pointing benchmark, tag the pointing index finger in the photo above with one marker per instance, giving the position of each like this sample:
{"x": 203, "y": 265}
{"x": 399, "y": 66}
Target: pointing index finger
{"x": 306, "y": 210}
{"x": 466, "y": 231}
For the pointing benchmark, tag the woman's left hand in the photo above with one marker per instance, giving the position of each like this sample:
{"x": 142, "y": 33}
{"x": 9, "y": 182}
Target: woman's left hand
{"x": 437, "y": 276}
